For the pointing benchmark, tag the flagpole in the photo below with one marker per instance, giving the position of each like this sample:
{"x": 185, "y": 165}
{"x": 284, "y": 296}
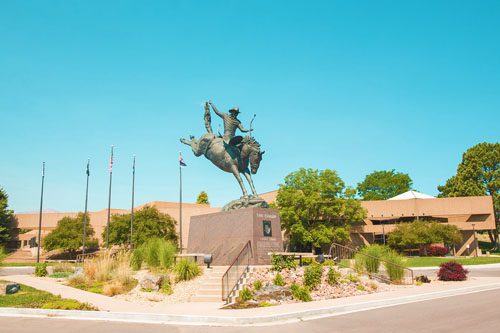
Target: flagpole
{"x": 180, "y": 202}
{"x": 85, "y": 213}
{"x": 109, "y": 195}
{"x": 40, "y": 216}
{"x": 132, "y": 209}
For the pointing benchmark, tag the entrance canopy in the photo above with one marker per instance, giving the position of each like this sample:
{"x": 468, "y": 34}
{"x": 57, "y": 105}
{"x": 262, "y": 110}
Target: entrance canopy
{"x": 411, "y": 195}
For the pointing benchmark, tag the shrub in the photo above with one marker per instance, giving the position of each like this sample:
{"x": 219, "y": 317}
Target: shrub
{"x": 333, "y": 276}
{"x": 395, "y": 265}
{"x": 452, "y": 271}
{"x": 112, "y": 289}
{"x": 257, "y": 285}
{"x": 301, "y": 293}
{"x": 245, "y": 295}
{"x": 437, "y": 251}
{"x": 280, "y": 262}
{"x": 369, "y": 257}
{"x": 41, "y": 269}
{"x": 360, "y": 287}
{"x": 166, "y": 287}
{"x": 278, "y": 280}
{"x": 187, "y": 270}
{"x": 307, "y": 261}
{"x": 312, "y": 275}
{"x": 352, "y": 278}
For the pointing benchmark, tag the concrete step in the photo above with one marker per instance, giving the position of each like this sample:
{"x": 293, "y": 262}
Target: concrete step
{"x": 209, "y": 298}
{"x": 209, "y": 292}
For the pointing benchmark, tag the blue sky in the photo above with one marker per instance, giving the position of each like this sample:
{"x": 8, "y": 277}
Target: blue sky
{"x": 354, "y": 86}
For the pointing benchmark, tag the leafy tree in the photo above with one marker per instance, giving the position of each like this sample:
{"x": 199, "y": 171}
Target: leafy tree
{"x": 382, "y": 185}
{"x": 316, "y": 208}
{"x": 68, "y": 234}
{"x": 478, "y": 174}
{"x": 202, "y": 198}
{"x": 149, "y": 223}
{"x": 423, "y": 233}
{"x": 6, "y": 217}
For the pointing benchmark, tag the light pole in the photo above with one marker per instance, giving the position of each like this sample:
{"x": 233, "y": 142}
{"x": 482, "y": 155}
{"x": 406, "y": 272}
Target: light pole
{"x": 132, "y": 209}
{"x": 87, "y": 172}
{"x": 383, "y": 231}
{"x": 475, "y": 239}
{"x": 109, "y": 196}
{"x": 40, "y": 217}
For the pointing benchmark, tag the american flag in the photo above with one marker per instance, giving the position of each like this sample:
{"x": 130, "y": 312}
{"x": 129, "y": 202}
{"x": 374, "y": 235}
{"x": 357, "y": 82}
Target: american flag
{"x": 181, "y": 160}
{"x": 111, "y": 161}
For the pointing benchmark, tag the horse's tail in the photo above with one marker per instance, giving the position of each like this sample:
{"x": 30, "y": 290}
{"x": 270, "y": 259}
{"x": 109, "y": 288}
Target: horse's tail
{"x": 208, "y": 119}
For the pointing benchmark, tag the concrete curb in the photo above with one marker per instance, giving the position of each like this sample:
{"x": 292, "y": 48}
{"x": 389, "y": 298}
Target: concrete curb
{"x": 239, "y": 320}
{"x": 469, "y": 267}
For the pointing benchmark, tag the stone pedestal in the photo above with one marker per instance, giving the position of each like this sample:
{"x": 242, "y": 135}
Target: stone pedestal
{"x": 224, "y": 234}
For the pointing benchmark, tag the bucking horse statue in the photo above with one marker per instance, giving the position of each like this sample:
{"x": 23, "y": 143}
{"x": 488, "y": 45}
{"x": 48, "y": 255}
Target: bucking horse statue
{"x": 231, "y": 153}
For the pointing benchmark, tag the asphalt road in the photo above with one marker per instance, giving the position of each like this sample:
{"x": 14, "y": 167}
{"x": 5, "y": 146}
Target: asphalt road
{"x": 477, "y": 312}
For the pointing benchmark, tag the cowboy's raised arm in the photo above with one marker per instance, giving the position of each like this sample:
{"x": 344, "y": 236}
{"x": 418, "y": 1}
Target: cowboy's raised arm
{"x": 240, "y": 126}
{"x": 220, "y": 114}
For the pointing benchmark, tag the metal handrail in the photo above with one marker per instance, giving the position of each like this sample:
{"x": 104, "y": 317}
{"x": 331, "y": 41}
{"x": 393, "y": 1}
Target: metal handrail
{"x": 349, "y": 253}
{"x": 245, "y": 251}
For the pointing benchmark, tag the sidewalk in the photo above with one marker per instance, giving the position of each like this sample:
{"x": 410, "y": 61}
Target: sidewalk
{"x": 211, "y": 314}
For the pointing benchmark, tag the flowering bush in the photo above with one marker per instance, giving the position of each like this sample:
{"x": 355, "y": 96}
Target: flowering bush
{"x": 436, "y": 251}
{"x": 452, "y": 271}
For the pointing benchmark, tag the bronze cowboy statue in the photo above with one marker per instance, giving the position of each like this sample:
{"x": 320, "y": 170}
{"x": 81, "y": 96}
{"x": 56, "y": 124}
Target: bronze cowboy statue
{"x": 230, "y": 153}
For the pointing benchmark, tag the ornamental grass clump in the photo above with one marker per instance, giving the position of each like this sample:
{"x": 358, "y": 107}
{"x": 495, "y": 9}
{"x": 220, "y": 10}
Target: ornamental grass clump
{"x": 63, "y": 267}
{"x": 370, "y": 256}
{"x": 312, "y": 275}
{"x": 452, "y": 271}
{"x": 187, "y": 270}
{"x": 395, "y": 265}
{"x": 157, "y": 253}
{"x": 108, "y": 274}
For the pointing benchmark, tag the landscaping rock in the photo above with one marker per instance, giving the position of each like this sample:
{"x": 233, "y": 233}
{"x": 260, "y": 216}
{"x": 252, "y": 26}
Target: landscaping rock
{"x": 78, "y": 272}
{"x": 151, "y": 282}
{"x": 273, "y": 293}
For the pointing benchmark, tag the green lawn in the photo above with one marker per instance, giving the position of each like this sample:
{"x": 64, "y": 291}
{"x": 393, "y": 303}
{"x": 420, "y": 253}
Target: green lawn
{"x": 19, "y": 264}
{"x": 436, "y": 261}
{"x": 33, "y": 298}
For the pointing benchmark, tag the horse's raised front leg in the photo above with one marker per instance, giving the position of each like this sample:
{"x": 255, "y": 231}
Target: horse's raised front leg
{"x": 236, "y": 174}
{"x": 250, "y": 181}
{"x": 194, "y": 146}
